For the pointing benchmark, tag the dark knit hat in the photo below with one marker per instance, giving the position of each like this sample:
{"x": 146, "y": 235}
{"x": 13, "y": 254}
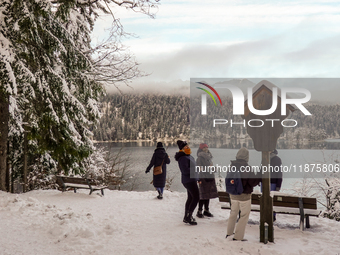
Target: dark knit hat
{"x": 275, "y": 152}
{"x": 159, "y": 145}
{"x": 203, "y": 145}
{"x": 181, "y": 144}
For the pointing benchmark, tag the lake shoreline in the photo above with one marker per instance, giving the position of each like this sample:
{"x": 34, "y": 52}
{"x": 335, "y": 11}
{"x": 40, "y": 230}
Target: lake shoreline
{"x": 327, "y": 144}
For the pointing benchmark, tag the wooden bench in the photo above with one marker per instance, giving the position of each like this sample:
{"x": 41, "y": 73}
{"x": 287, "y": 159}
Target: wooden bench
{"x": 283, "y": 204}
{"x": 79, "y": 183}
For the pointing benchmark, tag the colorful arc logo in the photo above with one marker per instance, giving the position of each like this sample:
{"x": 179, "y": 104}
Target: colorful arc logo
{"x": 208, "y": 92}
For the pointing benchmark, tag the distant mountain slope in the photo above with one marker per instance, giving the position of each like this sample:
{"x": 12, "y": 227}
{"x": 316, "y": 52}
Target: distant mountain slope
{"x": 156, "y": 116}
{"x": 146, "y": 116}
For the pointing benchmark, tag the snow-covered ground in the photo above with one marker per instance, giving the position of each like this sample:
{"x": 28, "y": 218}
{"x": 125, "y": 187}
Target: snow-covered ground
{"x": 122, "y": 222}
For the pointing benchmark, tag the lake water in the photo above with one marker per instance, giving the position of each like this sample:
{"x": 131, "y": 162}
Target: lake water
{"x": 141, "y": 153}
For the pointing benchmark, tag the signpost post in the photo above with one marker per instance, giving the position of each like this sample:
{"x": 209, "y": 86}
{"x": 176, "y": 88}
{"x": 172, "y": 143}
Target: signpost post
{"x": 265, "y": 130}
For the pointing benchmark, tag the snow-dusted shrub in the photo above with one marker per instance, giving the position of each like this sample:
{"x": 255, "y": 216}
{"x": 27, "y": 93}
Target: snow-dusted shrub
{"x": 109, "y": 168}
{"x": 42, "y": 174}
{"x": 106, "y": 168}
{"x": 333, "y": 199}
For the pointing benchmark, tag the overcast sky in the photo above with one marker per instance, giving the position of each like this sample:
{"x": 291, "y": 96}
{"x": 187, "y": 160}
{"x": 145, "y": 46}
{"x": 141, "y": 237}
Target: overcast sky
{"x": 227, "y": 38}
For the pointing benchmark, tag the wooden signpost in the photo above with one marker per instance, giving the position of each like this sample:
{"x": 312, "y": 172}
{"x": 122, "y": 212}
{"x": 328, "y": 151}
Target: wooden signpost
{"x": 265, "y": 138}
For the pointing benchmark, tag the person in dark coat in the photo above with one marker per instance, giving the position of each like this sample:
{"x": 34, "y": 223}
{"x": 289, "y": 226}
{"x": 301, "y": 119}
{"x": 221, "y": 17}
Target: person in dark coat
{"x": 187, "y": 166}
{"x": 207, "y": 183}
{"x": 160, "y": 157}
{"x": 275, "y": 176}
{"x": 241, "y": 203}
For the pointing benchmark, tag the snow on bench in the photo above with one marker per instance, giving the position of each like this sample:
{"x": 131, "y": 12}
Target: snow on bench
{"x": 79, "y": 183}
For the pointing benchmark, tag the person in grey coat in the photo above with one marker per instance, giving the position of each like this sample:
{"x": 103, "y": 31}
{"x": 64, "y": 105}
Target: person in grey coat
{"x": 207, "y": 183}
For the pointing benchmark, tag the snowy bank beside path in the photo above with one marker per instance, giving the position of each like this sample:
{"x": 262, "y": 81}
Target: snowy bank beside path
{"x": 122, "y": 222}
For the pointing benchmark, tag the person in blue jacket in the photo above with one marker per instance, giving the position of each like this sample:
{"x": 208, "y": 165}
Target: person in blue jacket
{"x": 189, "y": 180}
{"x": 158, "y": 157}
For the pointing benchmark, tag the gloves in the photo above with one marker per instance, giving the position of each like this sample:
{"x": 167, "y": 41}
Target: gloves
{"x": 146, "y": 171}
{"x": 277, "y": 188}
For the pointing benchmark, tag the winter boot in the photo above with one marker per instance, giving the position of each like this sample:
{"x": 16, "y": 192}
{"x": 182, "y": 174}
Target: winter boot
{"x": 189, "y": 219}
{"x": 244, "y": 240}
{"x": 207, "y": 213}
{"x": 185, "y": 220}
{"x": 199, "y": 214}
{"x": 160, "y": 195}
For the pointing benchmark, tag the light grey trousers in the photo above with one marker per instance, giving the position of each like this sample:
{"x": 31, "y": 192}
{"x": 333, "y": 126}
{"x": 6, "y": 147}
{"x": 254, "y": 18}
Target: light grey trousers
{"x": 236, "y": 206}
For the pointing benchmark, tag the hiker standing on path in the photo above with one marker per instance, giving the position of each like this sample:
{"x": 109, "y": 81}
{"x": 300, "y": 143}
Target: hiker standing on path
{"x": 241, "y": 203}
{"x": 207, "y": 183}
{"x": 160, "y": 157}
{"x": 187, "y": 166}
{"x": 275, "y": 175}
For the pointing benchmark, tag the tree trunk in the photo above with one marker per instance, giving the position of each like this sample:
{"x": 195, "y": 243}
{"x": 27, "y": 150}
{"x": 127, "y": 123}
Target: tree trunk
{"x": 8, "y": 172}
{"x": 25, "y": 163}
{"x": 4, "y": 118}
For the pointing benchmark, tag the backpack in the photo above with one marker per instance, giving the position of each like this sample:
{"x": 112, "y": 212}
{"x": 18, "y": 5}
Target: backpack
{"x": 233, "y": 183}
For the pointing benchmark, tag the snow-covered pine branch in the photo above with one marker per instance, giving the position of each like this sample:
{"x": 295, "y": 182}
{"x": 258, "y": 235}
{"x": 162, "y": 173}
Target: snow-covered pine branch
{"x": 48, "y": 72}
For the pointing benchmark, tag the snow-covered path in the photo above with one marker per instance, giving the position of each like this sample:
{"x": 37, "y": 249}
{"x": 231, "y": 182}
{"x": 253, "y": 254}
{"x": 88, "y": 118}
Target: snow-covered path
{"x": 122, "y": 222}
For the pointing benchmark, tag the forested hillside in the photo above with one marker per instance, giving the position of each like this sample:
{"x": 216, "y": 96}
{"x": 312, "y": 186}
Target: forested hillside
{"x": 145, "y": 116}
{"x": 150, "y": 116}
{"x": 323, "y": 123}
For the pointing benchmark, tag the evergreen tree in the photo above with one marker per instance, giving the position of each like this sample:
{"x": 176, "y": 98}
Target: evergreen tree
{"x": 51, "y": 78}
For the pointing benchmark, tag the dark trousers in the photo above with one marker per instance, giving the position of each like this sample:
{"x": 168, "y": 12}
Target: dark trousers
{"x": 204, "y": 202}
{"x": 193, "y": 196}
